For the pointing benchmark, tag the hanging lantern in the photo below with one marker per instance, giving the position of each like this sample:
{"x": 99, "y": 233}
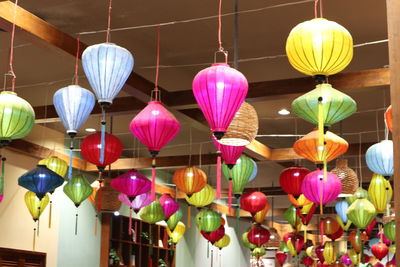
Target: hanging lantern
{"x": 370, "y": 227}
{"x": 294, "y": 242}
{"x": 329, "y": 253}
{"x": 56, "y": 165}
{"x": 281, "y": 257}
{"x": 389, "y": 118}
{"x": 173, "y": 220}
{"x": 308, "y": 147}
{"x": 203, "y": 198}
{"x": 132, "y": 184}
{"x": 319, "y": 251}
{"x": 381, "y": 236}
{"x": 152, "y": 213}
{"x": 329, "y": 226}
{"x": 107, "y": 198}
{"x": 139, "y": 202}
{"x": 347, "y": 176}
{"x": 259, "y": 216}
{"x": 243, "y": 128}
{"x": 169, "y": 205}
{"x": 346, "y": 259}
{"x": 356, "y": 240}
{"x": 301, "y": 201}
{"x": 258, "y": 252}
{"x": 379, "y": 158}
{"x": 219, "y": 91}
{"x": 305, "y": 213}
{"x": 390, "y": 231}
{"x": 360, "y": 193}
{"x": 380, "y": 192}
{"x": 245, "y": 241}
{"x": 307, "y": 261}
{"x": 321, "y": 54}
{"x": 291, "y": 179}
{"x": 341, "y": 208}
{"x": 78, "y": 189}
{"x": 253, "y": 202}
{"x": 223, "y": 242}
{"x": 177, "y": 233}
{"x": 230, "y": 154}
{"x": 258, "y": 236}
{"x": 291, "y": 216}
{"x": 40, "y": 180}
{"x": 361, "y": 213}
{"x": 35, "y": 205}
{"x": 214, "y": 236}
{"x": 190, "y": 180}
{"x": 380, "y": 250}
{"x": 336, "y": 235}
{"x": 208, "y": 220}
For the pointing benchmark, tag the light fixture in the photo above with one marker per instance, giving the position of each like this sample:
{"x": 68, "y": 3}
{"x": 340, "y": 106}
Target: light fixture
{"x": 284, "y": 112}
{"x": 116, "y": 213}
{"x": 90, "y": 130}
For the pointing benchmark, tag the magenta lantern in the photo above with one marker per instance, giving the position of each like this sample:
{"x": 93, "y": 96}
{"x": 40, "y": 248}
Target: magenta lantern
{"x": 132, "y": 184}
{"x": 346, "y": 259}
{"x": 219, "y": 91}
{"x": 139, "y": 202}
{"x": 169, "y": 205}
{"x": 381, "y": 236}
{"x": 319, "y": 191}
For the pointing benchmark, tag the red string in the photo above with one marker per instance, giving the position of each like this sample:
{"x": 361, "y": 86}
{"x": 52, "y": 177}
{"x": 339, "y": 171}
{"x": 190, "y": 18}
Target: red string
{"x": 230, "y": 196}
{"x": 109, "y": 21}
{"x": 316, "y": 8}
{"x": 78, "y": 46}
{"x": 11, "y": 71}
{"x": 321, "y": 9}
{"x": 218, "y": 195}
{"x": 130, "y": 222}
{"x": 157, "y": 64}
{"x": 220, "y": 26}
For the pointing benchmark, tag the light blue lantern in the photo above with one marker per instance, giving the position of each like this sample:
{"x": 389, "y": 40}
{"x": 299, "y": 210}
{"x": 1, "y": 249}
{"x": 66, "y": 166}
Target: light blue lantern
{"x": 341, "y": 209}
{"x": 379, "y": 158}
{"x": 255, "y": 170}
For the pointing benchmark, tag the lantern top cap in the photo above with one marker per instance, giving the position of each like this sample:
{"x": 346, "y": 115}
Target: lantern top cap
{"x": 8, "y": 93}
{"x": 220, "y": 64}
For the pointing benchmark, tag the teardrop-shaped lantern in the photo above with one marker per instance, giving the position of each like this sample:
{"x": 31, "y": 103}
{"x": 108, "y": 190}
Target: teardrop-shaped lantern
{"x": 152, "y": 213}
{"x": 208, "y": 220}
{"x": 319, "y": 47}
{"x": 132, "y": 184}
{"x": 389, "y": 118}
{"x": 203, "y": 198}
{"x": 55, "y": 164}
{"x": 390, "y": 231}
{"x": 223, "y": 242}
{"x": 190, "y": 180}
{"x": 379, "y": 158}
{"x": 308, "y": 147}
{"x": 230, "y": 154}
{"x": 329, "y": 253}
{"x": 239, "y": 174}
{"x": 73, "y": 105}
{"x": 320, "y": 191}
{"x": 379, "y": 250}
{"x": 35, "y": 205}
{"x": 219, "y": 91}
{"x": 347, "y": 176}
{"x": 291, "y": 216}
{"x": 380, "y": 192}
{"x": 173, "y": 221}
{"x": 78, "y": 189}
{"x": 361, "y": 213}
{"x": 107, "y": 67}
{"x": 291, "y": 179}
{"x": 281, "y": 257}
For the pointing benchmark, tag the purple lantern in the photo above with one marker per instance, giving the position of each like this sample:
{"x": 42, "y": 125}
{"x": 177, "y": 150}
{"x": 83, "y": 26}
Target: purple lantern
{"x": 132, "y": 184}
{"x": 169, "y": 205}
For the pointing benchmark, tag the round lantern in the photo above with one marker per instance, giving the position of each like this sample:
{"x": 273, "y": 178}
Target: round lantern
{"x": 253, "y": 202}
{"x": 243, "y": 128}
{"x": 308, "y": 147}
{"x": 177, "y": 233}
{"x": 307, "y": 261}
{"x": 356, "y": 240}
{"x": 190, "y": 180}
{"x": 381, "y": 236}
{"x": 258, "y": 236}
{"x": 360, "y": 193}
{"x": 246, "y": 242}
{"x": 259, "y": 216}
{"x": 295, "y": 243}
{"x": 169, "y": 205}
{"x": 291, "y": 179}
{"x": 329, "y": 253}
{"x": 361, "y": 213}
{"x": 321, "y": 53}
{"x": 390, "y": 231}
{"x": 78, "y": 189}
{"x": 132, "y": 184}
{"x": 202, "y": 198}
{"x": 379, "y": 158}
{"x": 223, "y": 242}
{"x": 281, "y": 257}
{"x": 35, "y": 205}
{"x": 380, "y": 192}
{"x": 16, "y": 117}
{"x": 219, "y": 91}
{"x": 208, "y": 220}
{"x": 173, "y": 220}
{"x": 380, "y": 250}
{"x": 329, "y": 226}
{"x": 214, "y": 236}
{"x": 389, "y": 118}
{"x": 347, "y": 176}
{"x": 152, "y": 213}
{"x": 239, "y": 174}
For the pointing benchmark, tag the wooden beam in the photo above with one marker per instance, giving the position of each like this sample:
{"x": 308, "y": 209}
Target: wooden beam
{"x": 105, "y": 238}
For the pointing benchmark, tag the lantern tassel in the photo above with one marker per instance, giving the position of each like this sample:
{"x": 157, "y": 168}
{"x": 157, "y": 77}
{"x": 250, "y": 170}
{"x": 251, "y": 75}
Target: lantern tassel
{"x": 99, "y": 194}
{"x": 3, "y": 159}
{"x": 212, "y": 258}
{"x": 230, "y": 195}
{"x": 218, "y": 194}
{"x": 103, "y": 135}
{"x": 76, "y": 223}
{"x": 130, "y": 222}
{"x": 135, "y": 234}
{"x": 189, "y": 211}
{"x": 95, "y": 225}
{"x": 71, "y": 148}
{"x": 321, "y": 208}
{"x": 153, "y": 179}
{"x": 34, "y": 240}
{"x": 237, "y": 219}
{"x": 208, "y": 249}
{"x": 50, "y": 212}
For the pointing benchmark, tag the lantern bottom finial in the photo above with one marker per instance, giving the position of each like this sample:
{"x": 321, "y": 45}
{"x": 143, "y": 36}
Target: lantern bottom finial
{"x": 230, "y": 166}
{"x": 218, "y": 135}
{"x": 154, "y": 153}
{"x": 320, "y": 78}
{"x": 4, "y": 142}
{"x": 237, "y": 196}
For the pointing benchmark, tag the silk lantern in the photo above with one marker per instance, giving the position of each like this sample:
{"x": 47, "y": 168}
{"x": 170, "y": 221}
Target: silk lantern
{"x": 319, "y": 251}
{"x": 307, "y": 261}
{"x": 357, "y": 239}
{"x": 291, "y": 179}
{"x": 295, "y": 243}
{"x": 389, "y": 118}
{"x": 321, "y": 53}
{"x": 291, "y": 216}
{"x": 190, "y": 180}
{"x": 202, "y": 198}
{"x": 208, "y": 220}
{"x": 380, "y": 192}
{"x": 78, "y": 189}
{"x": 223, "y": 242}
{"x": 132, "y": 184}
{"x": 346, "y": 259}
{"x": 152, "y": 213}
{"x": 169, "y": 205}
{"x": 329, "y": 253}
{"x": 390, "y": 231}
{"x": 253, "y": 202}
{"x": 371, "y": 226}
{"x": 341, "y": 209}
{"x": 281, "y": 257}
{"x": 336, "y": 235}
{"x": 373, "y": 241}
{"x": 258, "y": 236}
{"x": 139, "y": 202}
{"x": 214, "y": 236}
{"x": 55, "y": 164}
{"x": 380, "y": 250}
{"x": 258, "y": 252}
{"x": 219, "y": 91}
{"x": 35, "y": 205}
{"x": 154, "y": 127}
{"x": 177, "y": 233}
{"x": 361, "y": 212}
{"x": 259, "y": 216}
{"x": 173, "y": 220}
{"x": 301, "y": 201}
{"x": 245, "y": 241}
{"x": 360, "y": 193}
{"x": 347, "y": 175}
{"x": 381, "y": 236}
{"x": 379, "y": 158}
{"x": 329, "y": 226}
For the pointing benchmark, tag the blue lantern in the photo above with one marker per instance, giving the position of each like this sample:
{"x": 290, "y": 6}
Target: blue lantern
{"x": 341, "y": 209}
{"x": 379, "y": 158}
{"x": 40, "y": 180}
{"x": 254, "y": 173}
{"x": 373, "y": 241}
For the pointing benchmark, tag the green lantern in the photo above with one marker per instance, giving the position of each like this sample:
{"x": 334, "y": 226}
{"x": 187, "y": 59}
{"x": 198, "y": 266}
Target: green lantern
{"x": 246, "y": 242}
{"x": 360, "y": 193}
{"x": 240, "y": 174}
{"x": 283, "y": 247}
{"x": 390, "y": 231}
{"x": 202, "y": 198}
{"x": 258, "y": 252}
{"x": 16, "y": 117}
{"x": 174, "y": 220}
{"x": 152, "y": 213}
{"x": 78, "y": 189}
{"x": 336, "y": 105}
{"x": 291, "y": 216}
{"x": 361, "y": 213}
{"x": 208, "y": 220}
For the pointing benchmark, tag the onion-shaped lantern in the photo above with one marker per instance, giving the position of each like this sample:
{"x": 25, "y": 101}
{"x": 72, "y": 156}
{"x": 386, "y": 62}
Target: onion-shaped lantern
{"x": 259, "y": 216}
{"x": 329, "y": 253}
{"x": 219, "y": 91}
{"x": 379, "y": 158}
{"x": 281, "y": 257}
{"x": 230, "y": 154}
{"x": 347, "y": 176}
{"x": 389, "y": 118}
{"x": 78, "y": 189}
{"x": 35, "y": 205}
{"x": 253, "y": 202}
{"x": 152, "y": 213}
{"x": 173, "y": 220}
{"x": 190, "y": 180}
{"x": 139, "y": 202}
{"x": 202, "y": 198}
{"x": 291, "y": 179}
{"x": 360, "y": 193}
{"x": 132, "y": 184}
{"x": 361, "y": 213}
{"x": 223, "y": 242}
{"x": 169, "y": 205}
{"x": 55, "y": 164}
{"x": 245, "y": 241}
{"x": 380, "y": 192}
{"x": 214, "y": 236}
{"x": 380, "y": 250}
{"x": 258, "y": 236}
{"x": 208, "y": 220}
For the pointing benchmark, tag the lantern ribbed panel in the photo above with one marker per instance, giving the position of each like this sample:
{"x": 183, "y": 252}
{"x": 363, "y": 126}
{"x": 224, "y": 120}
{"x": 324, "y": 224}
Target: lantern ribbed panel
{"x": 259, "y": 217}
{"x": 329, "y": 253}
{"x": 390, "y": 231}
{"x": 152, "y": 213}
{"x": 78, "y": 189}
{"x": 360, "y": 193}
{"x": 55, "y": 164}
{"x": 253, "y": 202}
{"x": 190, "y": 180}
{"x": 313, "y": 182}
{"x": 219, "y": 91}
{"x": 109, "y": 197}
{"x": 35, "y": 205}
{"x": 73, "y": 105}
{"x": 380, "y": 192}
{"x": 203, "y": 198}
{"x": 107, "y": 67}
{"x": 319, "y": 47}
{"x": 208, "y": 220}
{"x": 243, "y": 128}
{"x": 131, "y": 183}
{"x": 308, "y": 147}
{"x": 16, "y": 116}
{"x": 255, "y": 171}
{"x": 361, "y": 213}
{"x": 341, "y": 209}
{"x": 240, "y": 173}
{"x": 291, "y": 179}
{"x": 336, "y": 105}
{"x": 258, "y": 236}
{"x": 347, "y": 176}
{"x": 90, "y": 149}
{"x": 389, "y": 118}
{"x": 223, "y": 242}
{"x": 379, "y": 158}
{"x": 154, "y": 126}
{"x": 230, "y": 154}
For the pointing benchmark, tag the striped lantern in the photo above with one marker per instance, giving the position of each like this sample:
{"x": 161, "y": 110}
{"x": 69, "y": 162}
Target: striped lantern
{"x": 202, "y": 198}
{"x": 55, "y": 164}
{"x": 223, "y": 242}
{"x": 132, "y": 184}
{"x": 341, "y": 208}
{"x": 208, "y": 220}
{"x": 190, "y": 180}
{"x": 35, "y": 205}
{"x": 173, "y": 221}
{"x": 152, "y": 213}
{"x": 380, "y": 192}
{"x": 78, "y": 189}
{"x": 329, "y": 253}
{"x": 361, "y": 212}
{"x": 379, "y": 158}
{"x": 176, "y": 234}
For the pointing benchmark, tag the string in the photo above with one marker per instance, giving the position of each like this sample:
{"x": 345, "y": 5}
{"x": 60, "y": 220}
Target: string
{"x": 236, "y": 35}
{"x": 157, "y": 65}
{"x": 11, "y": 70}
{"x": 220, "y": 25}
{"x": 78, "y": 46}
{"x": 200, "y": 151}
{"x": 321, "y": 9}
{"x": 190, "y": 146}
{"x": 359, "y": 159}
{"x": 377, "y": 125}
{"x": 109, "y": 21}
{"x": 316, "y": 8}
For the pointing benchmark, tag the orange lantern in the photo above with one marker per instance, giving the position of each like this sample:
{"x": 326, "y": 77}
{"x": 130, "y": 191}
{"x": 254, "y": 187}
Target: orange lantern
{"x": 357, "y": 240}
{"x": 329, "y": 226}
{"x": 301, "y": 201}
{"x": 389, "y": 118}
{"x": 190, "y": 180}
{"x": 308, "y": 147}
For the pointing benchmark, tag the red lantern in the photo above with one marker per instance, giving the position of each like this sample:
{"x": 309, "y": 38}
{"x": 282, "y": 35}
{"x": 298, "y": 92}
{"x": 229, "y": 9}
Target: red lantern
{"x": 296, "y": 240}
{"x": 336, "y": 235}
{"x": 281, "y": 257}
{"x": 307, "y": 261}
{"x": 370, "y": 227}
{"x": 253, "y": 201}
{"x": 320, "y": 253}
{"x": 329, "y": 226}
{"x": 291, "y": 180}
{"x": 214, "y": 236}
{"x": 258, "y": 236}
{"x": 380, "y": 250}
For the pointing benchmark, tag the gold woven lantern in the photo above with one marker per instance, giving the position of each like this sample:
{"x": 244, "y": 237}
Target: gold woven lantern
{"x": 244, "y": 127}
{"x": 108, "y": 197}
{"x": 274, "y": 239}
{"x": 347, "y": 175}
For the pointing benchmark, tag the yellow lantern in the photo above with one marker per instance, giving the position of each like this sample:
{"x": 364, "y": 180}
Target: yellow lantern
{"x": 380, "y": 192}
{"x": 259, "y": 217}
{"x": 178, "y": 232}
{"x": 35, "y": 205}
{"x": 223, "y": 242}
{"x": 203, "y": 198}
{"x": 353, "y": 256}
{"x": 301, "y": 201}
{"x": 329, "y": 253}
{"x": 56, "y": 165}
{"x": 319, "y": 47}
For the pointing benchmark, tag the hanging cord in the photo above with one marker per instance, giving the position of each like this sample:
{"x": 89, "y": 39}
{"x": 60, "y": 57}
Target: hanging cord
{"x": 34, "y": 239}
{"x": 71, "y": 149}
{"x": 236, "y": 35}
{"x": 156, "y": 91}
{"x": 377, "y": 126}
{"x": 108, "y": 37}
{"x": 220, "y": 47}
{"x": 78, "y": 47}
{"x": 76, "y": 221}
{"x": 11, "y": 66}
{"x": 321, "y": 9}
{"x": 200, "y": 152}
{"x": 190, "y": 146}
{"x": 219, "y": 164}
{"x": 359, "y": 158}
{"x": 3, "y": 161}
{"x": 103, "y": 134}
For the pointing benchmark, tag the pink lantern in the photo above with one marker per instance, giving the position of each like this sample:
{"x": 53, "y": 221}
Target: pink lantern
{"x": 219, "y": 91}
{"x": 318, "y": 190}
{"x": 155, "y": 127}
{"x": 132, "y": 184}
{"x": 381, "y": 236}
{"x": 169, "y": 205}
{"x": 139, "y": 202}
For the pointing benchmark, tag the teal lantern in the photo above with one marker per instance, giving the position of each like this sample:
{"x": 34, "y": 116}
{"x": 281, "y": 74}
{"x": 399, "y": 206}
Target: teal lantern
{"x": 152, "y": 213}
{"x": 208, "y": 220}
{"x": 78, "y": 189}
{"x": 239, "y": 174}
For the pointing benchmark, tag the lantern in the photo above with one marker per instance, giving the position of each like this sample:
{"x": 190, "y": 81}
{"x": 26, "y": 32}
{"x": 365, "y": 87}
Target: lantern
{"x": 336, "y": 235}
{"x": 107, "y": 198}
{"x": 35, "y": 205}
{"x": 152, "y": 213}
{"x": 214, "y": 236}
{"x": 300, "y": 202}
{"x": 360, "y": 193}
{"x": 379, "y": 158}
{"x": 40, "y": 180}
{"x": 381, "y": 236}
{"x": 132, "y": 184}
{"x": 341, "y": 209}
{"x": 380, "y": 250}
{"x": 190, "y": 180}
{"x": 347, "y": 176}
{"x": 223, "y": 242}
{"x": 346, "y": 259}
{"x": 208, "y": 220}
{"x": 370, "y": 227}
{"x": 258, "y": 236}
{"x": 230, "y": 154}
{"x": 281, "y": 257}
{"x": 259, "y": 216}
{"x": 174, "y": 219}
{"x": 389, "y": 118}
{"x": 258, "y": 252}
{"x": 253, "y": 202}
{"x": 291, "y": 179}
{"x": 329, "y": 226}
{"x": 56, "y": 165}
{"x": 169, "y": 205}
{"x": 291, "y": 216}
{"x": 219, "y": 91}
{"x": 390, "y": 231}
{"x": 361, "y": 213}
{"x": 308, "y": 147}
{"x": 319, "y": 251}
{"x": 177, "y": 233}
{"x": 321, "y": 53}
{"x": 307, "y": 261}
{"x": 353, "y": 256}
{"x": 78, "y": 189}
{"x": 245, "y": 241}
{"x": 380, "y": 192}
{"x": 139, "y": 202}
{"x": 356, "y": 240}
{"x": 295, "y": 243}
{"x": 203, "y": 198}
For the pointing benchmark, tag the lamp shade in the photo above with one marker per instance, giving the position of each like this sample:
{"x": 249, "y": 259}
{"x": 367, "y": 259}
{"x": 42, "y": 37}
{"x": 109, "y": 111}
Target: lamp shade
{"x": 329, "y": 253}
{"x": 380, "y": 193}
{"x": 230, "y": 154}
{"x": 245, "y": 241}
{"x": 361, "y": 212}
{"x": 73, "y": 105}
{"x": 243, "y": 128}
{"x": 107, "y": 67}
{"x": 154, "y": 126}
{"x": 35, "y": 205}
{"x": 91, "y": 146}
{"x": 347, "y": 176}
{"x": 336, "y": 105}
{"x": 214, "y": 236}
{"x": 78, "y": 189}
{"x": 139, "y": 202}
{"x": 317, "y": 190}
{"x": 56, "y": 165}
{"x": 291, "y": 179}
{"x": 173, "y": 220}
{"x": 107, "y": 197}
{"x": 380, "y": 250}
{"x": 389, "y": 118}
{"x": 390, "y": 231}
{"x": 177, "y": 233}
{"x": 319, "y": 47}
{"x": 341, "y": 208}
{"x": 379, "y": 158}
{"x": 132, "y": 184}
{"x": 219, "y": 91}
{"x": 208, "y": 220}
{"x": 40, "y": 180}
{"x": 240, "y": 173}
{"x": 152, "y": 213}
{"x": 253, "y": 202}
{"x": 169, "y": 205}
{"x": 258, "y": 236}
{"x": 190, "y": 180}
{"x": 308, "y": 147}
{"x": 202, "y": 198}
{"x": 16, "y": 117}
{"x": 360, "y": 193}
{"x": 223, "y": 242}
{"x": 259, "y": 216}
